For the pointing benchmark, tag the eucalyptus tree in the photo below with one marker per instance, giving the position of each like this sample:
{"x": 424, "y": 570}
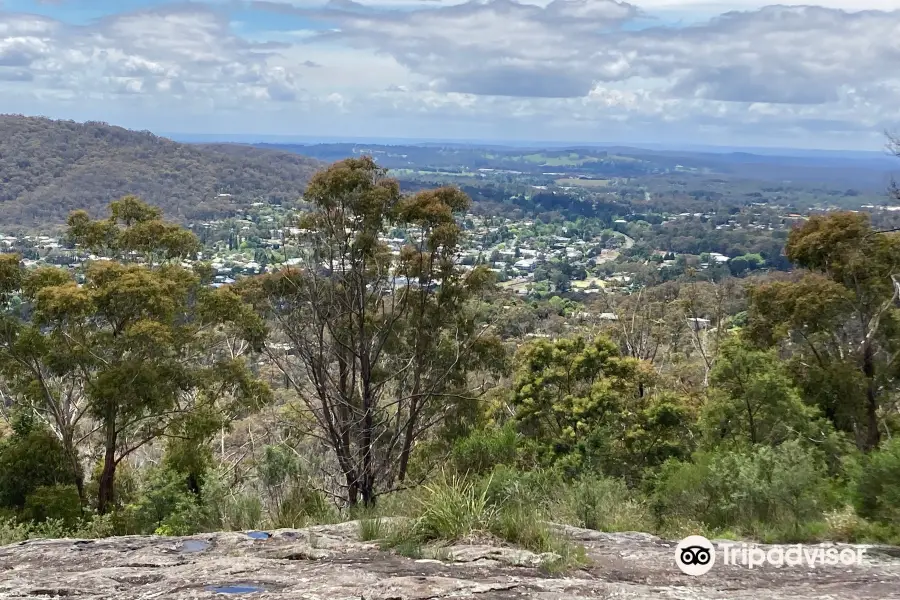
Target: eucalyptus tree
{"x": 839, "y": 319}
{"x": 378, "y": 345}
{"x": 124, "y": 350}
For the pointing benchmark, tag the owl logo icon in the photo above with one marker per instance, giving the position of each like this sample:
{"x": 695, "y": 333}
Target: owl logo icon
{"x": 695, "y": 555}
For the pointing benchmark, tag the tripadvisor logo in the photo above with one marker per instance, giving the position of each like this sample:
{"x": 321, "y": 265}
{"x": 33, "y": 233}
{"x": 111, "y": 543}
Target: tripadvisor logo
{"x": 695, "y": 555}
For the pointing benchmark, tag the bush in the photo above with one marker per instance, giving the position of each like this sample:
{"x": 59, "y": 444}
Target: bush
{"x": 538, "y": 489}
{"x": 30, "y": 461}
{"x": 759, "y": 489}
{"x": 228, "y": 509}
{"x": 54, "y": 502}
{"x": 452, "y": 508}
{"x": 607, "y": 505}
{"x": 293, "y": 502}
{"x": 877, "y": 486}
{"x": 484, "y": 449}
{"x": 302, "y": 506}
{"x": 163, "y": 506}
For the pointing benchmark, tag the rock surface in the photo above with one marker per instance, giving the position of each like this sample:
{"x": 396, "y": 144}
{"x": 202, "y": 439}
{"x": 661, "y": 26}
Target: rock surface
{"x": 329, "y": 563}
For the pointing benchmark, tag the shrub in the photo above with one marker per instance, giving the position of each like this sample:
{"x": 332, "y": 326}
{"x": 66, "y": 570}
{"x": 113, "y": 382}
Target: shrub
{"x": 484, "y": 449}
{"x": 781, "y": 487}
{"x": 607, "y": 505}
{"x": 538, "y": 489}
{"x": 30, "y": 461}
{"x": 164, "y": 506}
{"x": 877, "y": 486}
{"x": 302, "y": 506}
{"x": 54, "y": 502}
{"x": 228, "y": 509}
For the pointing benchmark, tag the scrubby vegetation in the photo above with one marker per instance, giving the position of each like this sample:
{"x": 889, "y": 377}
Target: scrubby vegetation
{"x": 388, "y": 388}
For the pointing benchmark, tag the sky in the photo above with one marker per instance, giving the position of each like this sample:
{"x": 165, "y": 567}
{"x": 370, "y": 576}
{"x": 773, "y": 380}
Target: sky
{"x": 727, "y": 72}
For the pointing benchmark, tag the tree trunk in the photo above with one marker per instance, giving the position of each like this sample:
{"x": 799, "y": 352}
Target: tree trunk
{"x": 77, "y": 472}
{"x": 367, "y": 477}
{"x": 405, "y": 452}
{"x": 408, "y": 439}
{"x": 352, "y": 490}
{"x": 873, "y": 435}
{"x": 79, "y": 485}
{"x": 106, "y": 495}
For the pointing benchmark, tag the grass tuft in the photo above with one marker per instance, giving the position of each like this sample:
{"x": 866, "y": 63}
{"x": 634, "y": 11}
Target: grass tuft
{"x": 371, "y": 529}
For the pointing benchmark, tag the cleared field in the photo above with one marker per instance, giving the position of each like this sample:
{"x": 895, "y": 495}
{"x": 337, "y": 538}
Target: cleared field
{"x": 573, "y": 159}
{"x": 586, "y": 283}
{"x": 587, "y": 183}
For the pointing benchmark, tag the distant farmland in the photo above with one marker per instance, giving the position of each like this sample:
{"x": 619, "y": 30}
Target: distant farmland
{"x": 588, "y": 183}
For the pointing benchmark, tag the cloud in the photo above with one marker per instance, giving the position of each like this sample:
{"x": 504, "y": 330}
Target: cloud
{"x": 177, "y": 50}
{"x": 576, "y": 66}
{"x": 800, "y": 55}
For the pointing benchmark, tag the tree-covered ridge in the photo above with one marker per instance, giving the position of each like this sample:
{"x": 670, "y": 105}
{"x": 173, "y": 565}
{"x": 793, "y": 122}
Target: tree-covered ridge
{"x": 49, "y": 168}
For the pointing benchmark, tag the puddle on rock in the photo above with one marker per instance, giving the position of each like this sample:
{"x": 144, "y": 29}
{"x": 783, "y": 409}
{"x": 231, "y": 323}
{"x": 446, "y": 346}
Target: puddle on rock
{"x": 238, "y": 588}
{"x": 258, "y": 535}
{"x": 190, "y": 546}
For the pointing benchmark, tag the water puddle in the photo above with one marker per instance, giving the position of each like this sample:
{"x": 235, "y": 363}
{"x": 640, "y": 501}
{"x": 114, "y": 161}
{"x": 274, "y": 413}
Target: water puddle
{"x": 258, "y": 535}
{"x": 239, "y": 588}
{"x": 190, "y": 546}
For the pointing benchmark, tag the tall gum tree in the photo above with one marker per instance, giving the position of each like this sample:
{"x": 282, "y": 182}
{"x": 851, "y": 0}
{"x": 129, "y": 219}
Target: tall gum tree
{"x": 378, "y": 346}
{"x": 126, "y": 349}
{"x": 839, "y": 318}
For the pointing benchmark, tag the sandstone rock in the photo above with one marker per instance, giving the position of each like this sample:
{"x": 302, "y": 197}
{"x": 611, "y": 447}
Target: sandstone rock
{"x": 330, "y": 563}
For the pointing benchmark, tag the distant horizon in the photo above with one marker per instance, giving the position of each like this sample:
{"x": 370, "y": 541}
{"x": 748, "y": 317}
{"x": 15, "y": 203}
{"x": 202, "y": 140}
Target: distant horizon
{"x": 773, "y": 151}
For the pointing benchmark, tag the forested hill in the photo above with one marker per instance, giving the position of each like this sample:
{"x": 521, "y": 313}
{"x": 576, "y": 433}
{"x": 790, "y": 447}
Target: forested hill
{"x": 48, "y": 168}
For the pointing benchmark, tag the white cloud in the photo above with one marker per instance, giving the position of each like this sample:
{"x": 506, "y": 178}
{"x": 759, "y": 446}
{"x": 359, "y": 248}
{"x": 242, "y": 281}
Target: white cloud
{"x": 554, "y": 69}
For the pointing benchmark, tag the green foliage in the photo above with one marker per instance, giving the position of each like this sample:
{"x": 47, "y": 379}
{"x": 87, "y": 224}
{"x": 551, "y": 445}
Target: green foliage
{"x": 30, "y": 461}
{"x": 229, "y": 509}
{"x": 740, "y": 265}
{"x": 371, "y": 529}
{"x": 566, "y": 389}
{"x": 57, "y": 502}
{"x": 189, "y": 458}
{"x": 129, "y": 346}
{"x": 538, "y": 489}
{"x": 752, "y": 400}
{"x": 399, "y": 332}
{"x": 573, "y": 401}
{"x": 292, "y": 500}
{"x": 608, "y": 505}
{"x": 838, "y": 317}
{"x": 164, "y": 506}
{"x": 453, "y": 508}
{"x": 877, "y": 486}
{"x": 751, "y": 490}
{"x": 484, "y": 449}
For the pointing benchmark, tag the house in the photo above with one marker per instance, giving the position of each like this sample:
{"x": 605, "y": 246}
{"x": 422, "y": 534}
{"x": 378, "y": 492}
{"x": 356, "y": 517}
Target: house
{"x": 698, "y": 324}
{"x": 525, "y": 264}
